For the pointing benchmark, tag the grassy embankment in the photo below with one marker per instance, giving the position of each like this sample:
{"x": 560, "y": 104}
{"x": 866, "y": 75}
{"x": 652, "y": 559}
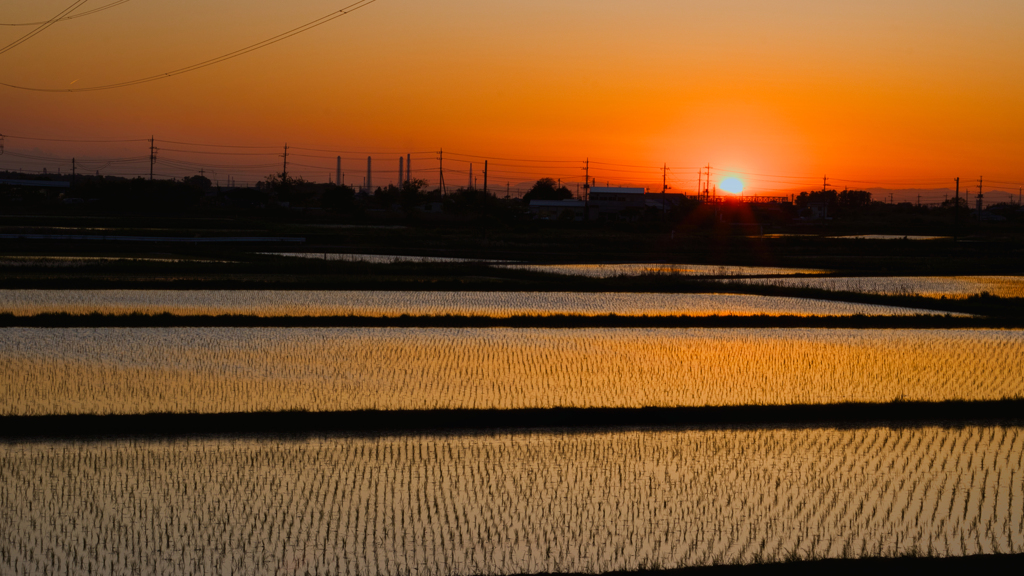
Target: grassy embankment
{"x": 255, "y": 272}
{"x": 897, "y": 414}
{"x": 165, "y": 320}
{"x": 899, "y": 566}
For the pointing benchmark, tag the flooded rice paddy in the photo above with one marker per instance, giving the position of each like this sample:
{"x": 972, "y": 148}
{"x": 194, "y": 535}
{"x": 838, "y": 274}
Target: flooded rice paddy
{"x": 636, "y": 269}
{"x": 507, "y": 503}
{"x": 80, "y": 261}
{"x": 380, "y": 258}
{"x": 890, "y": 237}
{"x": 213, "y": 370}
{"x": 391, "y": 304}
{"x": 930, "y": 286}
{"x": 589, "y": 270}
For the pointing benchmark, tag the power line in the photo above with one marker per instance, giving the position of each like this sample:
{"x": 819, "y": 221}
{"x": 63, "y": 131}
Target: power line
{"x": 215, "y": 145}
{"x": 208, "y": 152}
{"x": 513, "y": 159}
{"x": 83, "y": 141}
{"x": 230, "y": 55}
{"x": 428, "y": 153}
{"x": 44, "y": 26}
{"x": 564, "y": 169}
{"x": 73, "y": 16}
{"x": 54, "y": 159}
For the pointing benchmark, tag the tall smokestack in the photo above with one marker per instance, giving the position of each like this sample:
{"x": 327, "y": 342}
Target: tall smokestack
{"x": 401, "y": 172}
{"x": 337, "y": 173}
{"x": 369, "y": 173}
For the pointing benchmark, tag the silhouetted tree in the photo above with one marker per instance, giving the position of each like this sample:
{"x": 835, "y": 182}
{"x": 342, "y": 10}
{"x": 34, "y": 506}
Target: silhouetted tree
{"x": 200, "y": 182}
{"x": 854, "y": 199}
{"x": 547, "y": 189}
{"x": 338, "y": 199}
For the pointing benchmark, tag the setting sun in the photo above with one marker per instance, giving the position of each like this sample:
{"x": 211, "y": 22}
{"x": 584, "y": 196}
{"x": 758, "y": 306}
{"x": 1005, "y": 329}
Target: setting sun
{"x": 732, "y": 185}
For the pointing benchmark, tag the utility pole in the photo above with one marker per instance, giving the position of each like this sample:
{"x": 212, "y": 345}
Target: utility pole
{"x": 485, "y": 176}
{"x": 440, "y": 171}
{"x": 981, "y": 196}
{"x": 470, "y": 186}
{"x": 824, "y": 185}
{"x": 664, "y": 185}
{"x": 369, "y": 174}
{"x": 72, "y": 172}
{"x": 152, "y": 156}
{"x": 337, "y": 172}
{"x": 707, "y": 184}
{"x": 956, "y": 211}
{"x": 586, "y": 178}
{"x": 408, "y": 167}
{"x": 401, "y": 171}
{"x": 284, "y": 170}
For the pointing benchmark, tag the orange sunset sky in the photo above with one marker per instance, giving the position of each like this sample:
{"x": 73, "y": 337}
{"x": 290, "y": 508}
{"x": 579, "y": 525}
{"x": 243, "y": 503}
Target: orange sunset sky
{"x": 873, "y": 93}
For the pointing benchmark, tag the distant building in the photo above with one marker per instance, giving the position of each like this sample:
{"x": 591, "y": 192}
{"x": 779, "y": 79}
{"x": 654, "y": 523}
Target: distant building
{"x": 435, "y": 207}
{"x": 817, "y": 210}
{"x": 36, "y": 183}
{"x": 574, "y": 210}
{"x": 617, "y": 203}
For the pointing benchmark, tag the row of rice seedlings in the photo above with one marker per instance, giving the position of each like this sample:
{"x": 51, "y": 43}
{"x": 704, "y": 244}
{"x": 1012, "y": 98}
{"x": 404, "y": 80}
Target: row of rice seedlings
{"x": 396, "y": 303}
{"x": 929, "y": 286}
{"x": 508, "y": 503}
{"x": 210, "y": 370}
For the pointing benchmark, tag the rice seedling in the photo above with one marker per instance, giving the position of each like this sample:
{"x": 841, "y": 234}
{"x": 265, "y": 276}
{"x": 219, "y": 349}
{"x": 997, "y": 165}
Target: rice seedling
{"x": 501, "y": 502}
{"x": 215, "y": 370}
{"x": 397, "y": 303}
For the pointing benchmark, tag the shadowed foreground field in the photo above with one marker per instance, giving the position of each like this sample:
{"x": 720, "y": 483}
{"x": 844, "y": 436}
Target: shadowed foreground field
{"x": 1001, "y": 563}
{"x": 897, "y": 414}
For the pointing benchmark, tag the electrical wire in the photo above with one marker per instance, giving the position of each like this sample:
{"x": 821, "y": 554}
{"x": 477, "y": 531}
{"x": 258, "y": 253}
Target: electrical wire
{"x": 66, "y": 140}
{"x": 568, "y": 171}
{"x": 214, "y": 145}
{"x": 431, "y": 153}
{"x": 514, "y": 159}
{"x": 220, "y": 153}
{"x": 44, "y": 26}
{"x": 230, "y": 55}
{"x": 53, "y": 159}
{"x": 73, "y": 16}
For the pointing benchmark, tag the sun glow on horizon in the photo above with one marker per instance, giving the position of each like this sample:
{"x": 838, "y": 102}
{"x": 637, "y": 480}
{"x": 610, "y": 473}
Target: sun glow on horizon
{"x": 732, "y": 185}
